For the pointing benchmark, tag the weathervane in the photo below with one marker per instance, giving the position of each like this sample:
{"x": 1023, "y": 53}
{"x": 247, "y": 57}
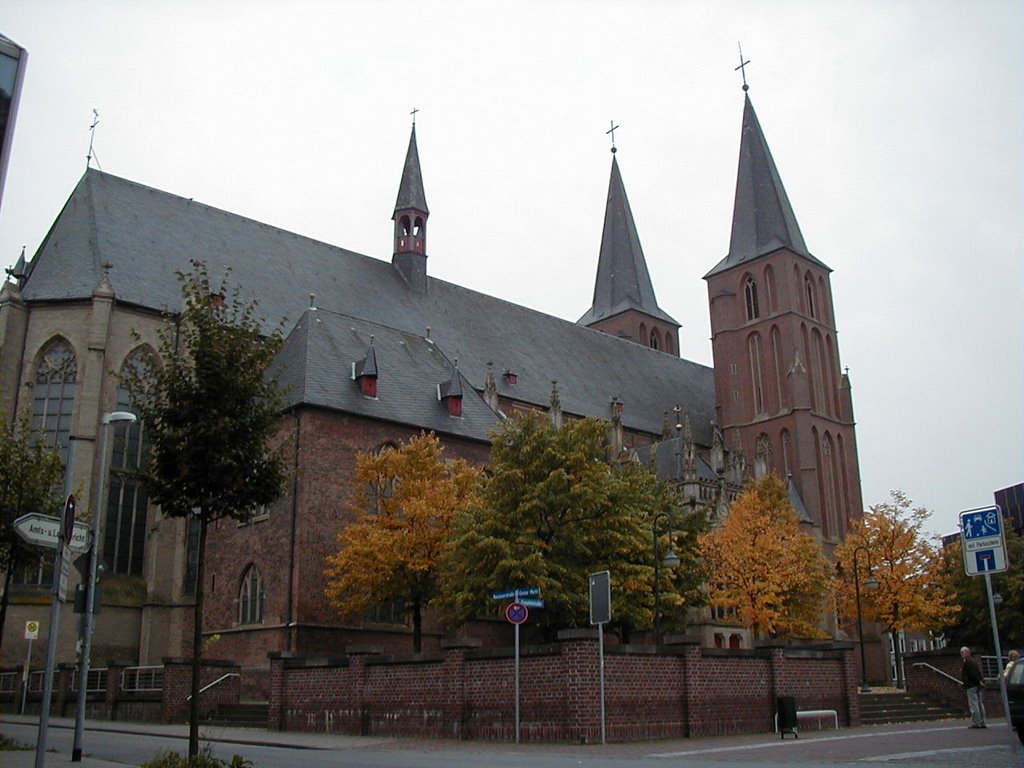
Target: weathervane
{"x": 742, "y": 68}
{"x": 612, "y": 131}
{"x": 92, "y": 135}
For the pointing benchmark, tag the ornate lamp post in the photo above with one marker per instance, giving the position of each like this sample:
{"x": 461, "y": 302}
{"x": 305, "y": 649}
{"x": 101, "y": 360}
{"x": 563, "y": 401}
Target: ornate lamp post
{"x": 671, "y": 560}
{"x": 872, "y": 583}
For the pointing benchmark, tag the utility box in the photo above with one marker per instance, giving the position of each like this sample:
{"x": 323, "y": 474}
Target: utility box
{"x": 785, "y": 716}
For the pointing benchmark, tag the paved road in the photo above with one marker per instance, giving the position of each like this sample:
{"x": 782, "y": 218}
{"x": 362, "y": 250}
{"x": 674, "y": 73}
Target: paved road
{"x": 946, "y": 744}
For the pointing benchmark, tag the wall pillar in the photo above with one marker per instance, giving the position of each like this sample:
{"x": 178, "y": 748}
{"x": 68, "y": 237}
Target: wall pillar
{"x": 582, "y": 663}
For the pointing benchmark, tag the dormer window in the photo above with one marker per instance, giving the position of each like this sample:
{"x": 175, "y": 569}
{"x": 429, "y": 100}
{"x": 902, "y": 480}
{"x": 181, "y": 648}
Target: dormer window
{"x": 364, "y": 372}
{"x": 450, "y": 393}
{"x": 510, "y": 376}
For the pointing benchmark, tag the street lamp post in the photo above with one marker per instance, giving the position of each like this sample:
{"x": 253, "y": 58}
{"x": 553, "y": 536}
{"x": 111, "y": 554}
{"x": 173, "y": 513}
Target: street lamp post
{"x": 671, "y": 560}
{"x": 872, "y": 584}
{"x": 115, "y": 417}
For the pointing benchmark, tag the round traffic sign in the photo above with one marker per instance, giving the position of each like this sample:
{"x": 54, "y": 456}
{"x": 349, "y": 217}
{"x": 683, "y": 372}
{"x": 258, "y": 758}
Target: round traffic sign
{"x": 31, "y": 630}
{"x": 516, "y": 613}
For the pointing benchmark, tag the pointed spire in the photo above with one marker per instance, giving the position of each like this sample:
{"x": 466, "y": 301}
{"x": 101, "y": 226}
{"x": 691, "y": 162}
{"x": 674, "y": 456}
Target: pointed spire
{"x": 20, "y": 271}
{"x": 556, "y": 405}
{"x": 410, "y": 191}
{"x": 762, "y": 220}
{"x": 623, "y": 281}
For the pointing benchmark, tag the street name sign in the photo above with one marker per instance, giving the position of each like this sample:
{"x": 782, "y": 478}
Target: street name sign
{"x": 515, "y": 594}
{"x": 531, "y": 602}
{"x": 47, "y": 531}
{"x": 981, "y": 532}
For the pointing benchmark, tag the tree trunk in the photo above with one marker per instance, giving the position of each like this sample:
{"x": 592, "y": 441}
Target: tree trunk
{"x": 197, "y": 641}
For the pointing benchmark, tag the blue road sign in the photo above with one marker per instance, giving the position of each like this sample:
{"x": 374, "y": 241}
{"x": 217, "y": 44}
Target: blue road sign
{"x": 531, "y": 602}
{"x": 981, "y": 532}
{"x": 515, "y": 594}
{"x": 982, "y": 523}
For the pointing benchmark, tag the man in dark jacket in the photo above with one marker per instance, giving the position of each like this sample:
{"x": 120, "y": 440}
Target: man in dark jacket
{"x": 970, "y": 673}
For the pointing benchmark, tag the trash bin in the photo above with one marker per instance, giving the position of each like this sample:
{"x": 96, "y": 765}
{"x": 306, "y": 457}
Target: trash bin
{"x": 785, "y": 715}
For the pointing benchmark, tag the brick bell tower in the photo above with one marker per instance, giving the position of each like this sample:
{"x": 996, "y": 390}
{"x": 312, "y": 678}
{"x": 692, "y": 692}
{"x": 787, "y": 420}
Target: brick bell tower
{"x": 781, "y": 397}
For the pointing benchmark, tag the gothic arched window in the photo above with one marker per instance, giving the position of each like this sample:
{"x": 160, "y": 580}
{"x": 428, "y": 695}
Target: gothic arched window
{"x": 809, "y": 292}
{"x": 124, "y": 532}
{"x": 750, "y": 294}
{"x": 250, "y": 597}
{"x": 53, "y": 397}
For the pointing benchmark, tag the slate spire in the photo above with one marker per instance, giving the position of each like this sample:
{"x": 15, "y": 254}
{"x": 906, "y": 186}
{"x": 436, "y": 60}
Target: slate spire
{"x": 623, "y": 282}
{"x": 762, "y": 219}
{"x": 410, "y": 217}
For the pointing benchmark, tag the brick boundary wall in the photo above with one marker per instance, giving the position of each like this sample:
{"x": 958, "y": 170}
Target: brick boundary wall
{"x": 465, "y": 692}
{"x": 922, "y": 680}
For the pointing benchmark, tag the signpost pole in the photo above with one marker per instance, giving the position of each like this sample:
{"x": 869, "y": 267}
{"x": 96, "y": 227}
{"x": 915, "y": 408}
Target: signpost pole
{"x": 51, "y": 660}
{"x": 999, "y": 651}
{"x": 517, "y": 683}
{"x": 24, "y": 677}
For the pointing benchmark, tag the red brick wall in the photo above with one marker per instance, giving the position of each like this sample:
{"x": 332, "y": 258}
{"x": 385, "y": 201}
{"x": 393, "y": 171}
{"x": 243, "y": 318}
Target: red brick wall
{"x": 463, "y": 693}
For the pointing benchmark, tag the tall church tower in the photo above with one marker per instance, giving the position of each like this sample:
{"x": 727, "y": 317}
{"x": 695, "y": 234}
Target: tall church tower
{"x": 781, "y": 398}
{"x": 410, "y": 217}
{"x": 624, "y": 302}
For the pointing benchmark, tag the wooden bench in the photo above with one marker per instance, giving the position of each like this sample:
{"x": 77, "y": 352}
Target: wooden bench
{"x": 815, "y": 713}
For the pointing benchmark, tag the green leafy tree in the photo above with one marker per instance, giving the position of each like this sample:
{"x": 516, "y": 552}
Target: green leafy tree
{"x": 554, "y": 510}
{"x": 211, "y": 412}
{"x": 30, "y": 477}
{"x": 911, "y": 594}
{"x": 973, "y": 625}
{"x": 764, "y": 568}
{"x": 405, "y": 502}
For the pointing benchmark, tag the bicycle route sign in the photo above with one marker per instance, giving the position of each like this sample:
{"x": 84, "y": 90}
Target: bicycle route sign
{"x": 981, "y": 532}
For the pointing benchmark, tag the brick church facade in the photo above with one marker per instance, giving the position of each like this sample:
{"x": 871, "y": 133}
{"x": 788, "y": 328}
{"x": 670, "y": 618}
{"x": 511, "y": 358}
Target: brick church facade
{"x": 377, "y": 351}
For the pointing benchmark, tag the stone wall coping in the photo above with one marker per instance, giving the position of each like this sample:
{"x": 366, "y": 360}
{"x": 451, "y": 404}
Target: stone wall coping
{"x": 364, "y": 649}
{"x": 418, "y": 658}
{"x": 577, "y": 634}
{"x": 168, "y": 660}
{"x": 456, "y": 643}
{"x": 297, "y": 662}
{"x": 736, "y": 653}
{"x": 481, "y": 654}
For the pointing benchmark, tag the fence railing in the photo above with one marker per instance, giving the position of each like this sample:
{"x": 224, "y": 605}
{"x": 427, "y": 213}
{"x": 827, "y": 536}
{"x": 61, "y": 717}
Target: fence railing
{"x": 992, "y": 666}
{"x": 8, "y": 682}
{"x": 96, "y": 683}
{"x": 139, "y": 679}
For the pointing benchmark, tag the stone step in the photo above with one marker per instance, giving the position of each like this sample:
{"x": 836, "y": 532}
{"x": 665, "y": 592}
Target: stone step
{"x": 878, "y": 708}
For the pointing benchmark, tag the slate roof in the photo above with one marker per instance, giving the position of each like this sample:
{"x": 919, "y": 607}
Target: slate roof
{"x": 147, "y": 235}
{"x": 762, "y": 219}
{"x": 316, "y": 367}
{"x": 623, "y": 281}
{"x": 410, "y": 189}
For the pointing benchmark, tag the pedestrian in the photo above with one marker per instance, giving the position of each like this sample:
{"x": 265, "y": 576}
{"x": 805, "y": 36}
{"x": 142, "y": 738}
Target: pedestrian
{"x": 974, "y": 683}
{"x": 1011, "y": 659}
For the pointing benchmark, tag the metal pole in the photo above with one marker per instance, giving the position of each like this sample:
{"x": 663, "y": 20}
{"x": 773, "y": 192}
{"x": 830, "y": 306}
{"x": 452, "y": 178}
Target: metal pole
{"x": 51, "y": 659}
{"x": 864, "y": 687}
{"x": 657, "y": 587}
{"x": 517, "y": 683}
{"x": 51, "y": 640}
{"x": 600, "y": 649}
{"x": 24, "y": 677}
{"x": 999, "y": 654}
{"x": 90, "y": 595}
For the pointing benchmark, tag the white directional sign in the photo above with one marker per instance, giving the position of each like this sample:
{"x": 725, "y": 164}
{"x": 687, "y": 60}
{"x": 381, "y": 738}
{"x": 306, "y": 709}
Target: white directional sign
{"x": 981, "y": 531}
{"x": 47, "y": 531}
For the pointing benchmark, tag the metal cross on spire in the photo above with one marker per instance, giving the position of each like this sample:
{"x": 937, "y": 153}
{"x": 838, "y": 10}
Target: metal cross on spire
{"x": 92, "y": 135}
{"x": 413, "y": 113}
{"x": 612, "y": 131}
{"x": 742, "y": 68}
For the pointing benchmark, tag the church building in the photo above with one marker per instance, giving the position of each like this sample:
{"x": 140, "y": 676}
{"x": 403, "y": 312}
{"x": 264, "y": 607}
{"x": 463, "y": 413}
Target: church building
{"x": 378, "y": 350}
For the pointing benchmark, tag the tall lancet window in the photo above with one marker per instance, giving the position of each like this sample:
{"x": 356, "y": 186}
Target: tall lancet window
{"x": 750, "y": 294}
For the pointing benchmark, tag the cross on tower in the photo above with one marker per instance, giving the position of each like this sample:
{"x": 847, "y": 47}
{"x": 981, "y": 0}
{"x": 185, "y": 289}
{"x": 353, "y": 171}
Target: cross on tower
{"x": 413, "y": 113}
{"x": 742, "y": 68}
{"x": 612, "y": 131}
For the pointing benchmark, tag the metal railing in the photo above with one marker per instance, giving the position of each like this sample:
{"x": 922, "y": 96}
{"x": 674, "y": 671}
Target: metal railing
{"x": 992, "y": 666}
{"x": 138, "y": 679}
{"x": 97, "y": 682}
{"x": 8, "y": 682}
{"x": 218, "y": 681}
{"x": 936, "y": 669}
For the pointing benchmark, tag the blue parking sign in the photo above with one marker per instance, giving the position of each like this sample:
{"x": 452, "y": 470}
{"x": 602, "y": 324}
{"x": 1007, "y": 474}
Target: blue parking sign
{"x": 984, "y": 547}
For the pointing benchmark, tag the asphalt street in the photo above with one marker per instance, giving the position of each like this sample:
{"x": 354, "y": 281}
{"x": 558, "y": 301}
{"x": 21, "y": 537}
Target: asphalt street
{"x": 945, "y": 744}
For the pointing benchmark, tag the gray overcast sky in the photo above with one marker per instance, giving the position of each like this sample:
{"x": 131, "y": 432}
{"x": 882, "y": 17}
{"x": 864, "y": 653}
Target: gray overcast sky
{"x": 896, "y": 126}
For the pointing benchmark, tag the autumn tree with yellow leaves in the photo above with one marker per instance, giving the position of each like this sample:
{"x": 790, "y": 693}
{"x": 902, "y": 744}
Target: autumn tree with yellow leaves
{"x": 762, "y": 567}
{"x": 911, "y": 595}
{"x": 404, "y": 505}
